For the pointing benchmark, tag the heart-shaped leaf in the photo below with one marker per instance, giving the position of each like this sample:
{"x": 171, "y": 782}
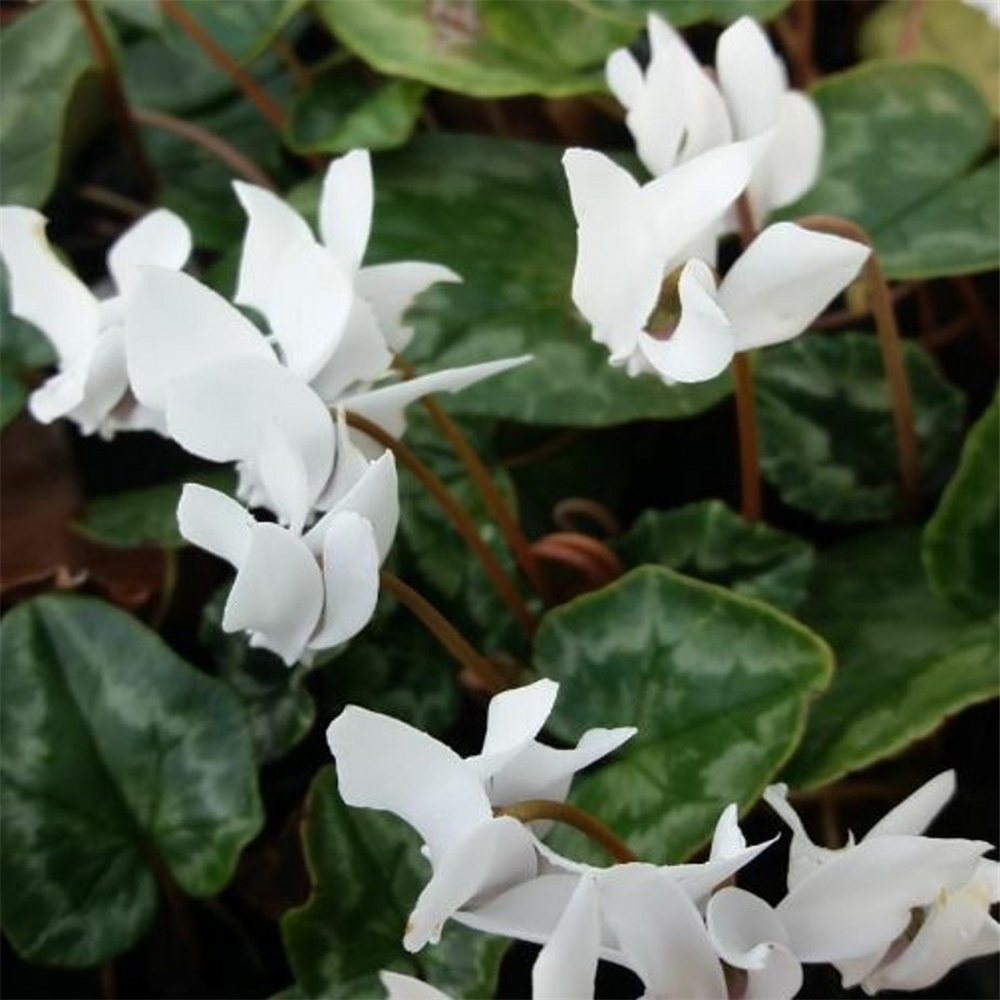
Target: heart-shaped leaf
{"x": 718, "y": 686}
{"x": 118, "y": 758}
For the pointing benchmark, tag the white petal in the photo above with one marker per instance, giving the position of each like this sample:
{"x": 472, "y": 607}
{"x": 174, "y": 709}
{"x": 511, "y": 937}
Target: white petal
{"x": 215, "y": 523}
{"x": 751, "y": 77}
{"x": 513, "y": 720}
{"x": 390, "y": 289}
{"x": 861, "y": 900}
{"x": 692, "y": 198}
{"x": 44, "y": 291}
{"x": 385, "y": 406}
{"x": 784, "y": 280}
{"x": 660, "y": 933}
{"x": 496, "y": 854}
{"x": 742, "y": 926}
{"x": 567, "y": 965}
{"x": 702, "y": 344}
{"x": 221, "y": 413}
{"x": 624, "y": 77}
{"x": 345, "y": 208}
{"x": 272, "y": 228}
{"x": 698, "y": 880}
{"x": 804, "y": 857}
{"x": 916, "y": 812}
{"x": 400, "y": 987}
{"x": 350, "y": 573}
{"x": 278, "y": 592}
{"x": 176, "y": 327}
{"x": 309, "y": 308}
{"x": 351, "y": 466}
{"x": 728, "y": 840}
{"x": 283, "y": 477}
{"x": 619, "y": 263}
{"x": 383, "y": 763}
{"x": 106, "y": 382}
{"x": 362, "y": 355}
{"x": 60, "y": 394}
{"x": 160, "y": 238}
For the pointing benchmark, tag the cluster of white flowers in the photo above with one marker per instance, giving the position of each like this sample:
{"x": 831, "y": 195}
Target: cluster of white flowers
{"x": 895, "y": 911}
{"x": 646, "y": 254}
{"x": 166, "y": 353}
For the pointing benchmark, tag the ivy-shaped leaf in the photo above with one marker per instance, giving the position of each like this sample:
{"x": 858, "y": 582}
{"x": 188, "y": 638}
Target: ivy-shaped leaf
{"x": 905, "y": 662}
{"x": 827, "y": 436}
{"x": 718, "y": 686}
{"x": 961, "y": 546}
{"x": 118, "y": 757}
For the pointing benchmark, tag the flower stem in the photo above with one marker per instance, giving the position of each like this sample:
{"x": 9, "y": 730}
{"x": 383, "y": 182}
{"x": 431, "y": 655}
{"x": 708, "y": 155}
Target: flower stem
{"x": 208, "y": 141}
{"x": 583, "y": 551}
{"x": 116, "y": 95}
{"x": 459, "y": 517}
{"x": 257, "y": 96}
{"x": 563, "y": 812}
{"x": 446, "y": 633}
{"x": 892, "y": 355}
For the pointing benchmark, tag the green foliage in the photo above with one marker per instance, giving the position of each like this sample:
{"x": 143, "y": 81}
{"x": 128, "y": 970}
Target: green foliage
{"x": 905, "y": 662}
{"x": 710, "y": 542}
{"x": 717, "y": 684}
{"x": 367, "y": 871}
{"x": 961, "y": 547}
{"x": 498, "y": 212}
{"x": 827, "y": 437}
{"x": 118, "y": 758}
{"x": 902, "y": 140}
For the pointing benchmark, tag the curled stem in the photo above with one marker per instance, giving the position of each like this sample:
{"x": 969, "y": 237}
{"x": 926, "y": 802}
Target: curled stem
{"x": 891, "y": 346}
{"x": 208, "y": 141}
{"x": 568, "y": 509}
{"x": 446, "y": 633}
{"x": 459, "y": 517}
{"x": 563, "y": 812}
{"x": 608, "y": 565}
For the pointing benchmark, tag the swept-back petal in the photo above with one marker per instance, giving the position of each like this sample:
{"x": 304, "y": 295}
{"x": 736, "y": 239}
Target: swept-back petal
{"x": 400, "y": 987}
{"x": 792, "y": 160}
{"x": 309, "y": 308}
{"x": 283, "y": 477}
{"x": 784, "y": 280}
{"x": 701, "y": 346}
{"x": 106, "y": 381}
{"x": 272, "y": 227}
{"x": 350, "y": 575}
{"x": 61, "y": 394}
{"x": 513, "y": 720}
{"x": 699, "y": 879}
{"x": 44, "y": 291}
{"x": 176, "y": 327}
{"x": 390, "y": 290}
{"x": 917, "y": 811}
{"x": 385, "y": 406}
{"x": 567, "y": 965}
{"x": 215, "y": 523}
{"x": 383, "y": 763}
{"x": 728, "y": 839}
{"x": 751, "y": 76}
{"x": 624, "y": 77}
{"x": 361, "y": 356}
{"x": 494, "y": 855}
{"x": 160, "y": 238}
{"x": 660, "y": 932}
{"x": 345, "y": 208}
{"x": 277, "y": 594}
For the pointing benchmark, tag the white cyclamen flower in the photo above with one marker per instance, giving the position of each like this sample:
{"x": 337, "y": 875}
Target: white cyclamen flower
{"x": 656, "y": 309}
{"x": 675, "y": 111}
{"x": 857, "y": 907}
{"x": 92, "y": 386}
{"x": 401, "y": 987}
{"x": 385, "y": 764}
{"x": 295, "y": 592}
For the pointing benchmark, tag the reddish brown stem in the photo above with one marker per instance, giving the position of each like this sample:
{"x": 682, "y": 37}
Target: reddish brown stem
{"x": 751, "y": 502}
{"x": 566, "y": 510}
{"x": 589, "y": 568}
{"x": 458, "y": 516}
{"x": 446, "y": 633}
{"x": 116, "y": 95}
{"x": 610, "y": 564}
{"x": 562, "y": 812}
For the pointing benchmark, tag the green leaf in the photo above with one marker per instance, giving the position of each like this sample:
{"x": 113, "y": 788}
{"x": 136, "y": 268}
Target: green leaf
{"x": 826, "y": 430}
{"x": 948, "y": 31}
{"x": 367, "y": 871}
{"x": 145, "y": 516}
{"x": 498, "y": 212}
{"x": 44, "y": 56}
{"x": 339, "y": 113}
{"x": 13, "y": 393}
{"x": 905, "y": 662}
{"x": 899, "y": 137}
{"x": 961, "y": 548}
{"x": 486, "y": 49}
{"x": 709, "y": 541}
{"x": 717, "y": 685}
{"x": 117, "y": 757}
{"x": 683, "y": 12}
{"x": 279, "y": 709}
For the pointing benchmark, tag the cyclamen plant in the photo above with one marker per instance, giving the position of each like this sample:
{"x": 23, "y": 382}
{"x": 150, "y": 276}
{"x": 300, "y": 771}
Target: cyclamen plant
{"x": 298, "y": 382}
